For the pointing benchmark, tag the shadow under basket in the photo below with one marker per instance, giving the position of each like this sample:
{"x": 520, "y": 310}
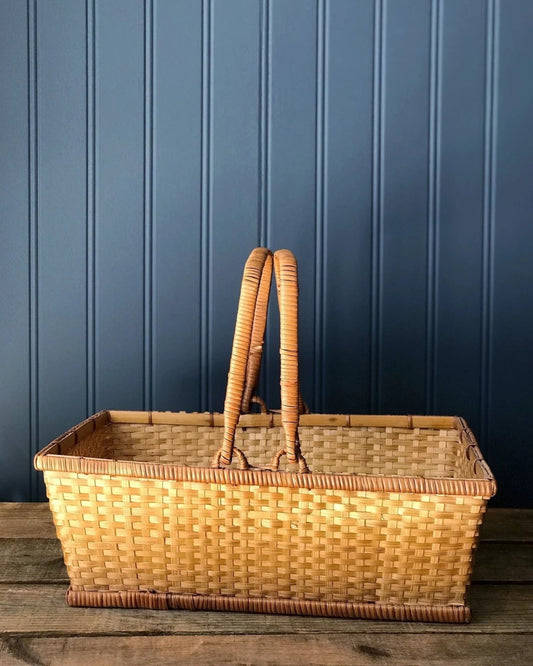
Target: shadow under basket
{"x": 384, "y": 525}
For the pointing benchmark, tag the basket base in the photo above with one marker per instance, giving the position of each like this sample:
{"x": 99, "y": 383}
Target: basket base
{"x": 363, "y": 610}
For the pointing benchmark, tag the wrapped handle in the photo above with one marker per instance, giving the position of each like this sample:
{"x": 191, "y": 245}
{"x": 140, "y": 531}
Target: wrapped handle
{"x": 258, "y": 334}
{"x": 253, "y": 297}
{"x": 247, "y": 347}
{"x": 286, "y": 271}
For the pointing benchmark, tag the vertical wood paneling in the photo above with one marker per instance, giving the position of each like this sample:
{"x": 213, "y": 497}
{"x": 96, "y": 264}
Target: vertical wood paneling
{"x": 205, "y": 201}
{"x": 176, "y": 222}
{"x": 234, "y": 174}
{"x": 33, "y": 238}
{"x": 348, "y": 205}
{"x": 62, "y": 216}
{"x": 120, "y": 206}
{"x": 292, "y": 174}
{"x": 405, "y": 206}
{"x": 511, "y": 358}
{"x": 90, "y": 77}
{"x": 378, "y": 80}
{"x": 322, "y": 81}
{"x": 461, "y": 106}
{"x": 148, "y": 222}
{"x": 263, "y": 233}
{"x": 433, "y": 199}
{"x": 149, "y": 145}
{"x": 264, "y": 120}
{"x": 487, "y": 282}
{"x": 15, "y": 454}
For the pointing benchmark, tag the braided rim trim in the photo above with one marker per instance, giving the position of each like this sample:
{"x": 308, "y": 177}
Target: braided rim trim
{"x": 50, "y": 458}
{"x": 365, "y": 610}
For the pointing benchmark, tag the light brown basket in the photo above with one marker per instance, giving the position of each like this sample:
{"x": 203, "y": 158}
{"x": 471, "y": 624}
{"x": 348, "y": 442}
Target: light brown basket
{"x": 383, "y": 526}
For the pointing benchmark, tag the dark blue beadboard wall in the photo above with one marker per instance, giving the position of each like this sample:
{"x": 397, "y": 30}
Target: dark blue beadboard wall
{"x": 147, "y": 146}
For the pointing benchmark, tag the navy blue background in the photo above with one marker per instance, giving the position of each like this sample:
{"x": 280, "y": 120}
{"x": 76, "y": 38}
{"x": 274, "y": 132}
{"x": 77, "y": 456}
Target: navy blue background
{"x": 147, "y": 147}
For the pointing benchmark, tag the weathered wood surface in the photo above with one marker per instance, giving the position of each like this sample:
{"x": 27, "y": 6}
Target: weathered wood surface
{"x": 330, "y": 649}
{"x": 26, "y": 520}
{"x": 31, "y": 561}
{"x": 37, "y": 627}
{"x": 41, "y": 609}
{"x": 508, "y": 525}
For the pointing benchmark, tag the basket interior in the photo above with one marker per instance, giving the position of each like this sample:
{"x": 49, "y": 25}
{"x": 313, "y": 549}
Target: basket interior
{"x": 390, "y": 451}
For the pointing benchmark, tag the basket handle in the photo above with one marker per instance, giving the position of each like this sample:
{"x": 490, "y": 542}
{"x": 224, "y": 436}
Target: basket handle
{"x": 257, "y": 335}
{"x": 291, "y": 402}
{"x": 286, "y": 270}
{"x": 247, "y": 347}
{"x": 255, "y": 354}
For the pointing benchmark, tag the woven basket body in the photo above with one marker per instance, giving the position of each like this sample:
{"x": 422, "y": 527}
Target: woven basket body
{"x": 382, "y": 522}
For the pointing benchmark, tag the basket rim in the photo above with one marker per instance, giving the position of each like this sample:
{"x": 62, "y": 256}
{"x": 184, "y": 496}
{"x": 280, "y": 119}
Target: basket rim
{"x": 452, "y": 613}
{"x": 50, "y": 457}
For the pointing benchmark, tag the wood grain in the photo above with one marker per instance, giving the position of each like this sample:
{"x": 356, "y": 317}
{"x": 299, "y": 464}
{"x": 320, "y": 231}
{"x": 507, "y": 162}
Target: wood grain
{"x": 32, "y": 520}
{"x": 333, "y": 649}
{"x": 497, "y": 562}
{"x": 32, "y": 560}
{"x": 41, "y": 609}
{"x": 508, "y": 525}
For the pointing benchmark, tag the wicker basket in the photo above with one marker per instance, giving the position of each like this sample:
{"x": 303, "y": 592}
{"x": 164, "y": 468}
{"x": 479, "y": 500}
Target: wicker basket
{"x": 379, "y": 520}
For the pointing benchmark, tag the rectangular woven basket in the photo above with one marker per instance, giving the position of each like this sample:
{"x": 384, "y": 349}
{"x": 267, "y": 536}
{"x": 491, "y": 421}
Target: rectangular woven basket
{"x": 380, "y": 519}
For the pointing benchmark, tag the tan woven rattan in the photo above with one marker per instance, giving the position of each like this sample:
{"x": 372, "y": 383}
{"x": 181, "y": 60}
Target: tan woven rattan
{"x": 366, "y": 516}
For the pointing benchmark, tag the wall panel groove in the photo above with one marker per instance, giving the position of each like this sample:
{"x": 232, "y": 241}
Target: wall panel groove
{"x": 205, "y": 276}
{"x": 264, "y": 145}
{"x": 91, "y": 200}
{"x": 148, "y": 204}
{"x": 33, "y": 236}
{"x": 489, "y": 193}
{"x": 433, "y": 201}
{"x": 262, "y": 210}
{"x": 16, "y": 211}
{"x": 377, "y": 203}
{"x": 320, "y": 193}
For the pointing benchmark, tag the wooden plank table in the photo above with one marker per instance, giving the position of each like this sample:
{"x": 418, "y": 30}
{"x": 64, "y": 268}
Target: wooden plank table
{"x": 37, "y": 627}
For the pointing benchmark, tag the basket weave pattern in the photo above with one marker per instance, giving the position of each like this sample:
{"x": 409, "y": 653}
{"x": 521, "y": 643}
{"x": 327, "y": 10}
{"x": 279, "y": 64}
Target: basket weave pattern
{"x": 189, "y": 537}
{"x": 380, "y": 519}
{"x": 334, "y": 450}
